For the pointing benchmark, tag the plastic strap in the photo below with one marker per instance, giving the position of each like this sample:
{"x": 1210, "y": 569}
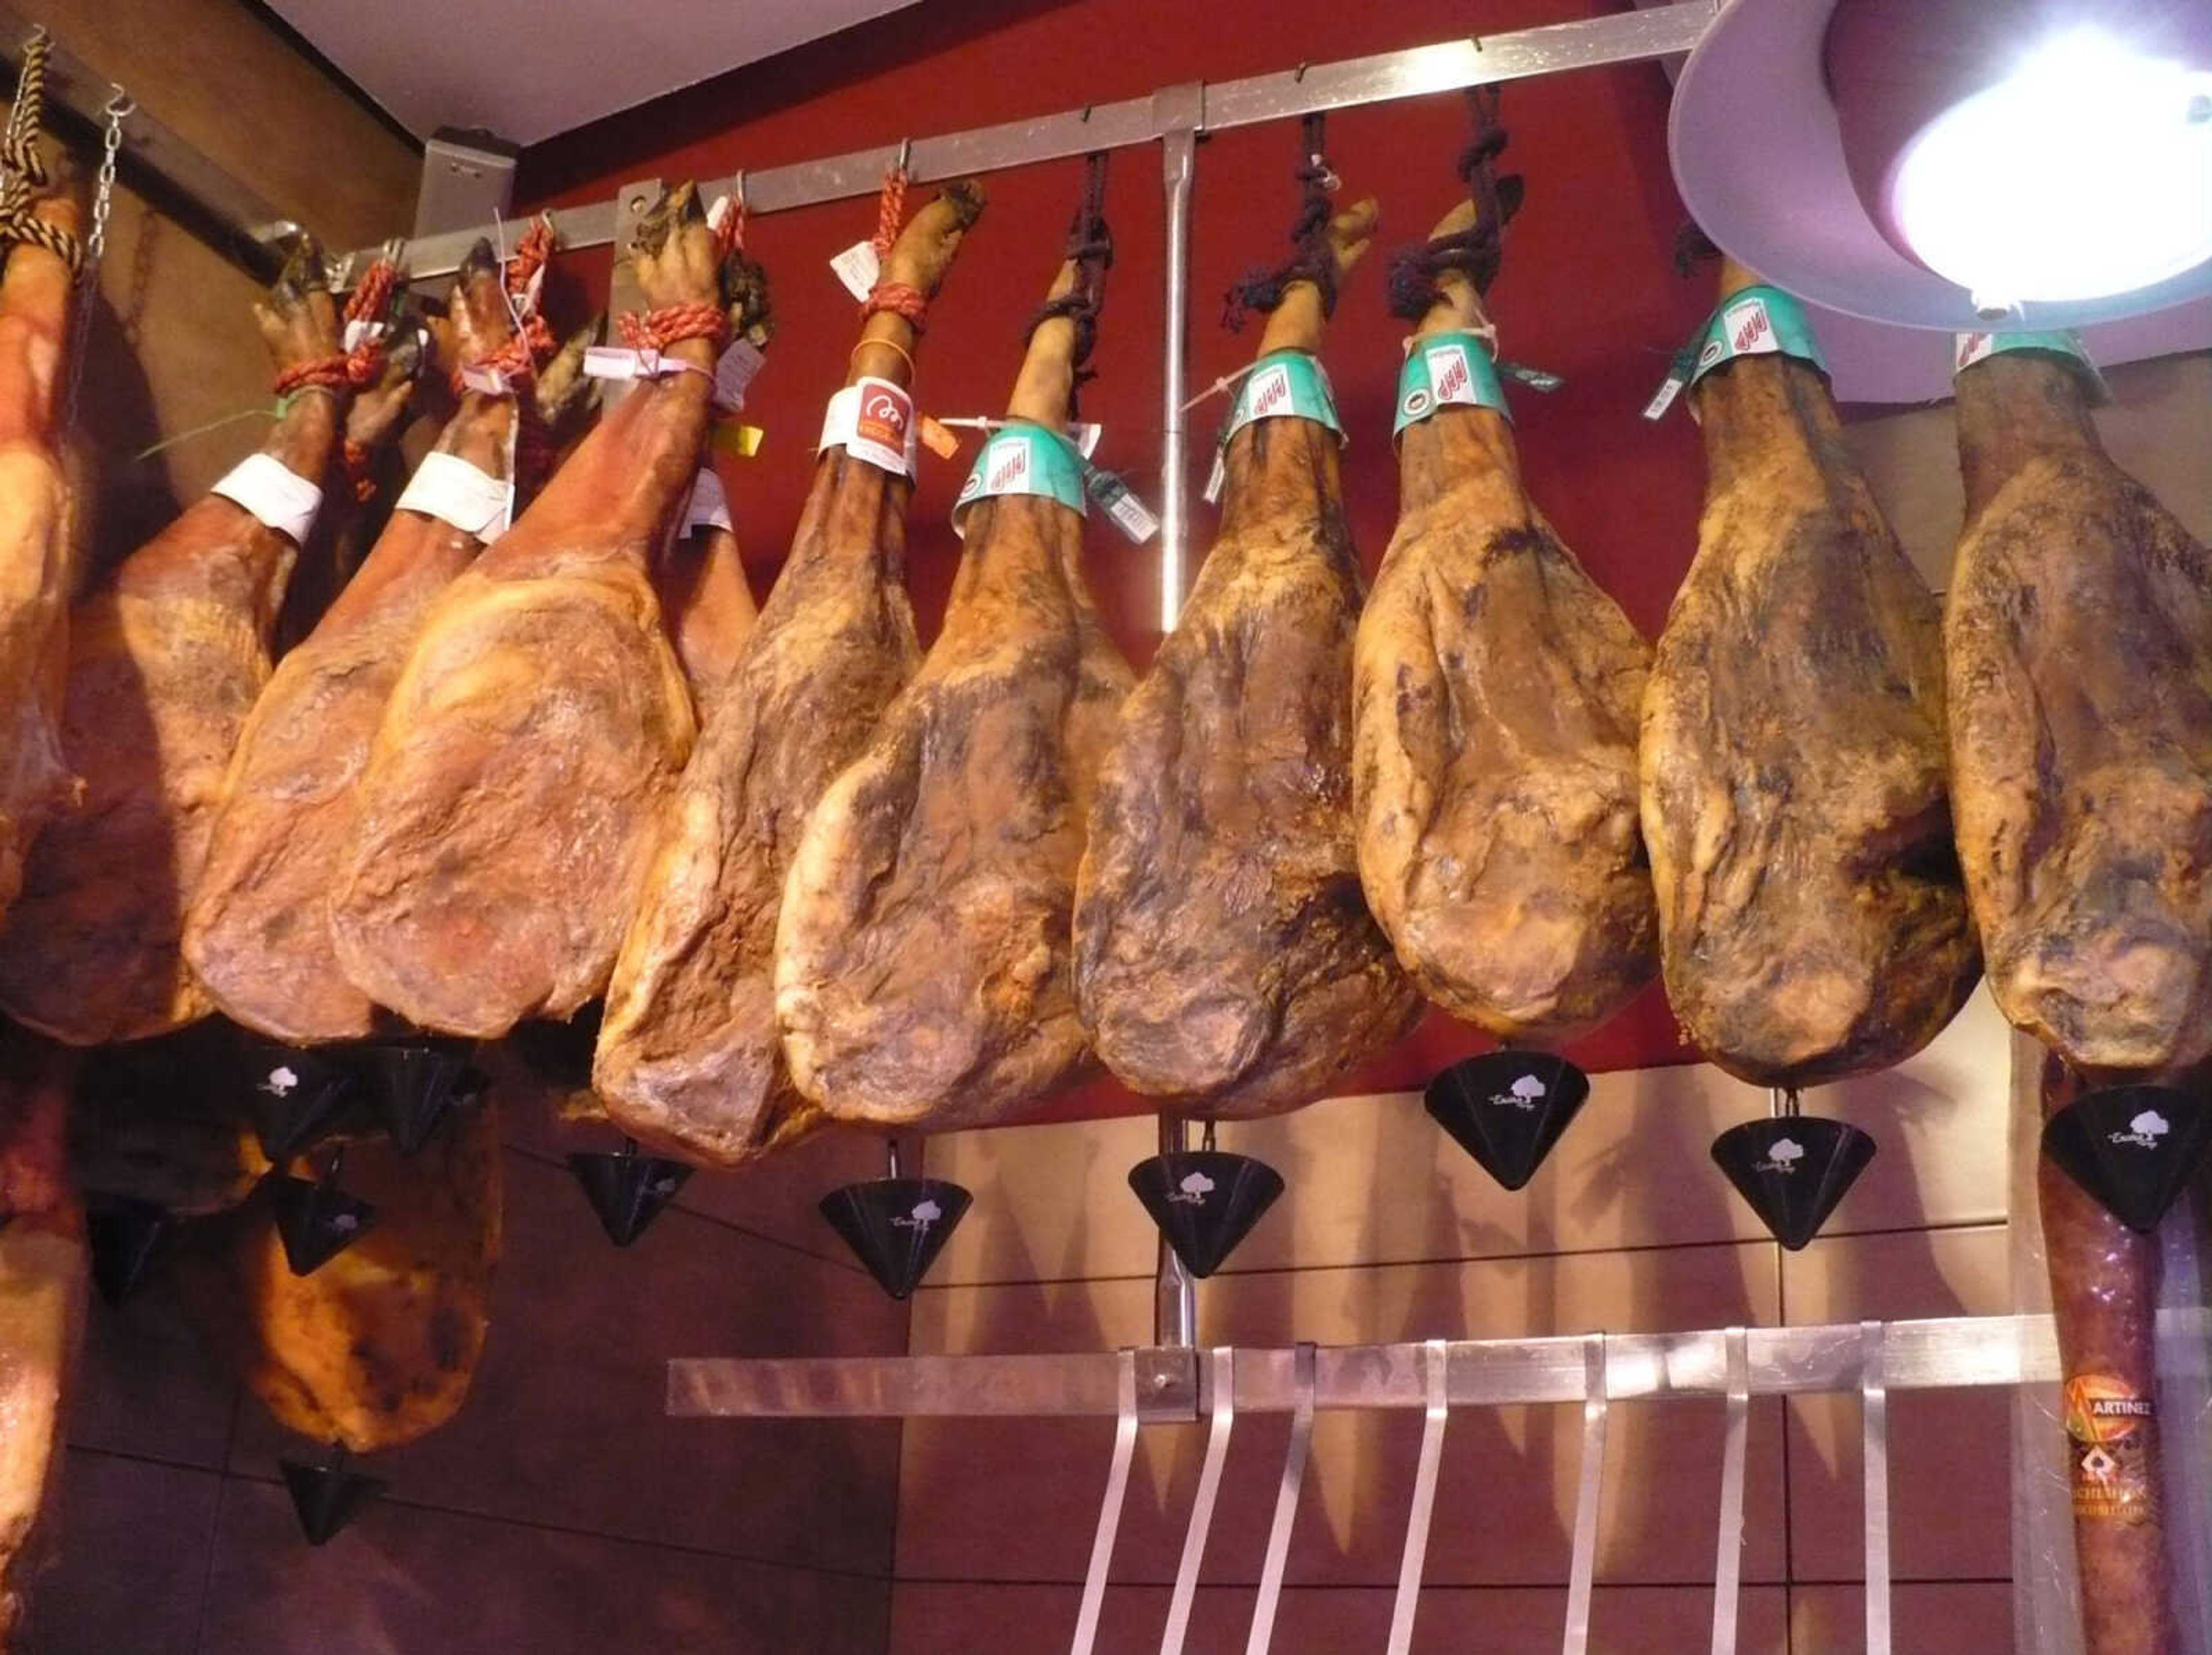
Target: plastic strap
{"x": 1221, "y": 1379}
{"x": 1727, "y": 1566}
{"x": 1437, "y": 1363}
{"x": 1286, "y": 1507}
{"x": 1583, "y": 1573}
{"x": 1109, "y": 1510}
{"x": 1873, "y": 1409}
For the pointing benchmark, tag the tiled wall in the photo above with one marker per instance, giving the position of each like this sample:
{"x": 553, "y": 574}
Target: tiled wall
{"x": 561, "y": 1513}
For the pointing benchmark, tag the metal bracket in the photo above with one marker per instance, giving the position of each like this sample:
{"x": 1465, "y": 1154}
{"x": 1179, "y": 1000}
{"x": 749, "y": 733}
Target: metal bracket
{"x": 1109, "y": 1509}
{"x": 1435, "y": 1364}
{"x": 1582, "y": 1577}
{"x": 1167, "y": 1385}
{"x": 1727, "y": 1566}
{"x": 1286, "y": 1507}
{"x": 1221, "y": 1385}
{"x": 1874, "y": 1415}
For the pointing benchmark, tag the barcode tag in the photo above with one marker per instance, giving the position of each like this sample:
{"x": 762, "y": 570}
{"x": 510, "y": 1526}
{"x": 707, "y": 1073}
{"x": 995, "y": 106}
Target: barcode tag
{"x": 1216, "y": 477}
{"x": 1663, "y": 399}
{"x": 859, "y": 267}
{"x": 937, "y": 438}
{"x": 1536, "y": 379}
{"x": 613, "y": 362}
{"x": 486, "y": 381}
{"x": 734, "y": 374}
{"x": 1130, "y": 514}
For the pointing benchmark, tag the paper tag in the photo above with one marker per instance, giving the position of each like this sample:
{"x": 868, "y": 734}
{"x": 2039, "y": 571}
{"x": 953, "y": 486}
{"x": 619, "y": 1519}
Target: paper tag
{"x": 938, "y": 440}
{"x": 734, "y": 374}
{"x": 1129, "y": 514}
{"x": 614, "y": 362}
{"x": 1536, "y": 379}
{"x": 1447, "y": 370}
{"x": 1023, "y": 459}
{"x": 447, "y": 487}
{"x": 1284, "y": 385}
{"x": 860, "y": 267}
{"x": 359, "y": 330}
{"x": 709, "y": 506}
{"x": 525, "y": 302}
{"x": 1759, "y": 321}
{"x": 873, "y": 420}
{"x": 1216, "y": 477}
{"x": 1085, "y": 435}
{"x": 487, "y": 382}
{"x": 281, "y": 500}
{"x": 1972, "y": 348}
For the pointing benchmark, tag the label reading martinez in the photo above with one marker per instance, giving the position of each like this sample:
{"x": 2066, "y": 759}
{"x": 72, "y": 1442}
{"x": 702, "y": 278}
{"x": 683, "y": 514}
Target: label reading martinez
{"x": 2111, "y": 1437}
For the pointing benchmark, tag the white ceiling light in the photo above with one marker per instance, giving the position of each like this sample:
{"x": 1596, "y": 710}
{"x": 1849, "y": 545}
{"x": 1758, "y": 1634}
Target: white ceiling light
{"x": 1940, "y": 162}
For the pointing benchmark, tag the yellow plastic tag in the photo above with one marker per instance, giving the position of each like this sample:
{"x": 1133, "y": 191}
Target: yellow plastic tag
{"x": 736, "y": 440}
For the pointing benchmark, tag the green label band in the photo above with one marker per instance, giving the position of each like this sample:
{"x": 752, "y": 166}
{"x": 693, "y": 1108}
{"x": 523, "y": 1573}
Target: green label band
{"x": 1973, "y": 348}
{"x": 1284, "y": 385}
{"x": 1759, "y": 321}
{"x": 1023, "y": 459}
{"x": 1447, "y": 370}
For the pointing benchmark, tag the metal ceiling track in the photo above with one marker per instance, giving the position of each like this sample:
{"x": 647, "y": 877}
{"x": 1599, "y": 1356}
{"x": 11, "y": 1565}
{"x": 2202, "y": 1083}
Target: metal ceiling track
{"x": 1196, "y": 109}
{"x": 200, "y": 195}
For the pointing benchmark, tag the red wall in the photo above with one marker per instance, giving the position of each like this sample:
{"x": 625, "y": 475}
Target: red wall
{"x": 1587, "y": 288}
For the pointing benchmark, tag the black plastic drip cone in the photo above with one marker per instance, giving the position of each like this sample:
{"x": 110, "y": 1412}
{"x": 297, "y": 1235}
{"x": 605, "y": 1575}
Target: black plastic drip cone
{"x": 1793, "y": 1169}
{"x": 2134, "y": 1148}
{"x": 124, "y": 1234}
{"x": 896, "y": 1226}
{"x": 628, "y": 1190}
{"x": 1205, "y": 1201}
{"x": 316, "y": 1220}
{"x": 326, "y": 1497}
{"x": 294, "y": 1094}
{"x": 1507, "y": 1109}
{"x": 413, "y": 1085}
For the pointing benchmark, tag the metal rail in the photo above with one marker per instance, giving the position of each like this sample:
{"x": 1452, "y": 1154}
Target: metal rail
{"x": 229, "y": 216}
{"x": 1619, "y": 38}
{"x": 1921, "y": 1356}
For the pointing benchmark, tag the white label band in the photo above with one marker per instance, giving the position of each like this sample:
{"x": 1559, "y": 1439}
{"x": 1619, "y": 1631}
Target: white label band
{"x": 872, "y": 421}
{"x": 447, "y": 487}
{"x": 281, "y": 500}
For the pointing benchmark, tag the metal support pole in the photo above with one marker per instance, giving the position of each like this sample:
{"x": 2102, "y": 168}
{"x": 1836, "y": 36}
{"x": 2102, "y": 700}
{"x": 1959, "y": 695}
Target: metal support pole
{"x": 1175, "y": 1293}
{"x": 1179, "y": 159}
{"x": 1874, "y": 1415}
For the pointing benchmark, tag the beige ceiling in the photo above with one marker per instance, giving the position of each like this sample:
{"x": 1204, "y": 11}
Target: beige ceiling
{"x": 528, "y": 69}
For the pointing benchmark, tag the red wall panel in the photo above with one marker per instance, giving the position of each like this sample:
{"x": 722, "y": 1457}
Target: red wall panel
{"x": 1587, "y": 288}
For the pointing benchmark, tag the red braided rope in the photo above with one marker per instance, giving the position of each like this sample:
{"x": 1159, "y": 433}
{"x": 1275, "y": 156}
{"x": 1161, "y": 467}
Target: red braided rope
{"x": 671, "y": 324}
{"x": 372, "y": 295}
{"x": 890, "y": 210}
{"x": 896, "y": 299}
{"x": 731, "y": 237}
{"x": 531, "y": 254}
{"x": 327, "y": 373}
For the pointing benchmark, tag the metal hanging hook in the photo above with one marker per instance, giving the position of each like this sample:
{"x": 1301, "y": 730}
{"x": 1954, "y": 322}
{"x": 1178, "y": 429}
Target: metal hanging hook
{"x": 904, "y": 163}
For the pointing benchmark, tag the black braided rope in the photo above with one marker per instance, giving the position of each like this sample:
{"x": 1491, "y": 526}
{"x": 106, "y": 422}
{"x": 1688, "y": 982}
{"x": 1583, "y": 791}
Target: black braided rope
{"x": 1315, "y": 261}
{"x": 25, "y": 167}
{"x": 1090, "y": 249}
{"x": 1475, "y": 252}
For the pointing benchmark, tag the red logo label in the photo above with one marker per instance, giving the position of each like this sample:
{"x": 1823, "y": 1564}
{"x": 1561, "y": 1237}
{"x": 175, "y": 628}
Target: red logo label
{"x": 1010, "y": 468}
{"x": 1270, "y": 391}
{"x": 1453, "y": 382}
{"x": 885, "y": 416}
{"x": 1749, "y": 328}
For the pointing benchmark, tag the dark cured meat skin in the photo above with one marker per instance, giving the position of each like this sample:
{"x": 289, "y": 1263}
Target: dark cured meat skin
{"x": 922, "y": 970}
{"x": 2104, "y": 1293}
{"x": 1226, "y": 957}
{"x": 1813, "y": 924}
{"x": 1496, "y": 694}
{"x": 2078, "y": 649}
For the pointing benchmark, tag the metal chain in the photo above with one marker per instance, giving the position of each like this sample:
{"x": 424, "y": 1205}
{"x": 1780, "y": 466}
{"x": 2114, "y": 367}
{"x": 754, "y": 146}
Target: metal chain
{"x": 119, "y": 109}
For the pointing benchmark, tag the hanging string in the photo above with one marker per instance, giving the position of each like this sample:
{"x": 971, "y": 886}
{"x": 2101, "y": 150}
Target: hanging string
{"x": 25, "y": 167}
{"x": 1474, "y": 252}
{"x": 1314, "y": 259}
{"x": 1090, "y": 250}
{"x": 893, "y": 298}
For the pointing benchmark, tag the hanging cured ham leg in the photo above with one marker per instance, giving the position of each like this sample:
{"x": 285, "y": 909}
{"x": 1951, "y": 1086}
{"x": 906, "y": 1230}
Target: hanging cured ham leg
{"x": 700, "y": 583}
{"x": 505, "y": 816}
{"x": 1812, "y": 921}
{"x": 35, "y": 550}
{"x": 1226, "y": 959}
{"x": 166, "y": 660}
{"x": 257, "y": 936}
{"x": 2078, "y": 655}
{"x": 1496, "y": 692}
{"x": 44, "y": 1270}
{"x": 922, "y": 973}
{"x": 689, "y": 1057}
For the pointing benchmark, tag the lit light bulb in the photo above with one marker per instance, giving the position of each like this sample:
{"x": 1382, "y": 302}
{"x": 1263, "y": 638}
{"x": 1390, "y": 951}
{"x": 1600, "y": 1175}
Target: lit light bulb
{"x": 2086, "y": 172}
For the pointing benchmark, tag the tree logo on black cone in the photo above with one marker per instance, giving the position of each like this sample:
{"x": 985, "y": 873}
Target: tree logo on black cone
{"x": 896, "y": 1226}
{"x": 1192, "y": 1189}
{"x": 1783, "y": 1156}
{"x": 2144, "y": 1131}
{"x": 1508, "y": 1109}
{"x": 1793, "y": 1171}
{"x": 2134, "y": 1148}
{"x": 280, "y": 1082}
{"x": 1205, "y": 1201}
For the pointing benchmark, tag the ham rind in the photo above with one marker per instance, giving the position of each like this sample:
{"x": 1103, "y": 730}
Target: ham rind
{"x": 922, "y": 970}
{"x": 1225, "y": 958}
{"x": 257, "y": 936}
{"x": 690, "y": 1057}
{"x": 2078, "y": 656}
{"x": 1496, "y": 693}
{"x": 166, "y": 660}
{"x": 35, "y": 550}
{"x": 1812, "y": 921}
{"x": 505, "y": 817}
